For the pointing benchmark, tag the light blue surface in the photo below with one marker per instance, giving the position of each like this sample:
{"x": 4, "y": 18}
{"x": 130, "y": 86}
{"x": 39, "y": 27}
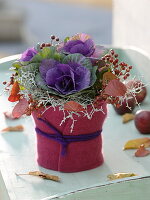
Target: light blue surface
{"x": 18, "y": 150}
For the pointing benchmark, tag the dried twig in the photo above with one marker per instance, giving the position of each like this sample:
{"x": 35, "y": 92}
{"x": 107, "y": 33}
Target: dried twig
{"x": 42, "y": 175}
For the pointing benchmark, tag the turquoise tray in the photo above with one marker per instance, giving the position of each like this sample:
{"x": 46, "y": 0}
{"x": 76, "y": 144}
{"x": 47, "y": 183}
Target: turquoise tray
{"x": 18, "y": 154}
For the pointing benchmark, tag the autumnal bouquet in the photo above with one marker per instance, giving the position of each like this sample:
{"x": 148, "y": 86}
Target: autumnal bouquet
{"x": 66, "y": 86}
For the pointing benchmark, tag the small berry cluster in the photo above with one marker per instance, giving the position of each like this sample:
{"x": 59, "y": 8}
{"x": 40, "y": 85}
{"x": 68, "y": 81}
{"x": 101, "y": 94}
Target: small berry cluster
{"x": 114, "y": 101}
{"x": 110, "y": 100}
{"x": 121, "y": 70}
{"x": 11, "y": 82}
{"x": 32, "y": 106}
{"x": 53, "y": 38}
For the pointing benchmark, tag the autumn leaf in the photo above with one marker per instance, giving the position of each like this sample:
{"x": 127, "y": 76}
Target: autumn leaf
{"x": 80, "y": 36}
{"x": 115, "y": 88}
{"x": 20, "y": 108}
{"x": 136, "y": 143}
{"x": 13, "y": 128}
{"x": 141, "y": 152}
{"x": 108, "y": 76}
{"x": 42, "y": 175}
{"x": 73, "y": 106}
{"x": 120, "y": 175}
{"x": 127, "y": 117}
{"x": 14, "y": 94}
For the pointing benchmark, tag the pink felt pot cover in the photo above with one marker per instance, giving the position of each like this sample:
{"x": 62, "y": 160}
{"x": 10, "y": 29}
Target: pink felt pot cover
{"x": 80, "y": 156}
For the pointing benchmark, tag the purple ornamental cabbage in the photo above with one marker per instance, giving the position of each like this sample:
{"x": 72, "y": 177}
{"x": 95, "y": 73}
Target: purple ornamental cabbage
{"x": 64, "y": 78}
{"x": 77, "y": 46}
{"x": 83, "y": 44}
{"x": 28, "y": 54}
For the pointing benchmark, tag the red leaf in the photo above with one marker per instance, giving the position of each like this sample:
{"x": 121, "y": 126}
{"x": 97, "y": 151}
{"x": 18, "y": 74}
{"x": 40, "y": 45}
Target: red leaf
{"x": 73, "y": 106}
{"x": 20, "y": 108}
{"x": 141, "y": 152}
{"x": 14, "y": 96}
{"x": 115, "y": 88}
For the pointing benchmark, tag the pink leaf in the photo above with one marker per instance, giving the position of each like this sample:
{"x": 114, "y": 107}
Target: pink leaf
{"x": 73, "y": 106}
{"x": 20, "y": 108}
{"x": 8, "y": 115}
{"x": 115, "y": 88}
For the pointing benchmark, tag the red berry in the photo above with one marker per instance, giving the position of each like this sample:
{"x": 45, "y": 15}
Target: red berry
{"x": 112, "y": 51}
{"x": 53, "y": 37}
{"x": 43, "y": 45}
{"x": 57, "y": 39}
{"x": 117, "y": 71}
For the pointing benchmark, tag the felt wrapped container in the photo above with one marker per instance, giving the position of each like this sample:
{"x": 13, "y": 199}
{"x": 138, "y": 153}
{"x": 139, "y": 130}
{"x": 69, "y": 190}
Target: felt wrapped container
{"x": 60, "y": 149}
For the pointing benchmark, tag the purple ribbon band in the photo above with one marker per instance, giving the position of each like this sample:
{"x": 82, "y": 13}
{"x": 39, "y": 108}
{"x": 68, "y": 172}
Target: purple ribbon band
{"x": 64, "y": 140}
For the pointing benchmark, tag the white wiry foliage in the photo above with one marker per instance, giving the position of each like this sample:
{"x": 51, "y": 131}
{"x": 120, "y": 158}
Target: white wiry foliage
{"x": 27, "y": 79}
{"x": 132, "y": 91}
{"x": 85, "y": 113}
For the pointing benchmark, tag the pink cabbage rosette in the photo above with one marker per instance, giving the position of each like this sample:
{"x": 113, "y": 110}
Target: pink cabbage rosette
{"x": 83, "y": 44}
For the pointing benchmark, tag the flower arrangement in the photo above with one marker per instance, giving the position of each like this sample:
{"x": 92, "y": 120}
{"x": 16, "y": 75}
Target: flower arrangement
{"x": 71, "y": 75}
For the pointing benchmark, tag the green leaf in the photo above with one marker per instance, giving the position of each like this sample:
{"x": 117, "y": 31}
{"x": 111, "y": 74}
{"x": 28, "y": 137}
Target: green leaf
{"x": 89, "y": 91}
{"x": 24, "y": 63}
{"x": 58, "y": 57}
{"x": 47, "y": 53}
{"x": 32, "y": 67}
{"x": 17, "y": 64}
{"x": 43, "y": 54}
{"x": 78, "y": 58}
{"x": 66, "y": 39}
{"x": 93, "y": 75}
{"x": 40, "y": 82}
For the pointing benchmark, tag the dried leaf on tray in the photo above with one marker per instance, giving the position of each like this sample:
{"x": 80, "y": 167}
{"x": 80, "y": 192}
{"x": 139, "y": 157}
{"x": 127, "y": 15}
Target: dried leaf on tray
{"x": 8, "y": 115}
{"x": 42, "y": 175}
{"x": 141, "y": 152}
{"x": 127, "y": 117}
{"x": 136, "y": 143}
{"x": 120, "y": 175}
{"x": 13, "y": 128}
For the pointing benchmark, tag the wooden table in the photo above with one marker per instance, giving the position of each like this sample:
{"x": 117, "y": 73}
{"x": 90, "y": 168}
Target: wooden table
{"x": 18, "y": 154}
